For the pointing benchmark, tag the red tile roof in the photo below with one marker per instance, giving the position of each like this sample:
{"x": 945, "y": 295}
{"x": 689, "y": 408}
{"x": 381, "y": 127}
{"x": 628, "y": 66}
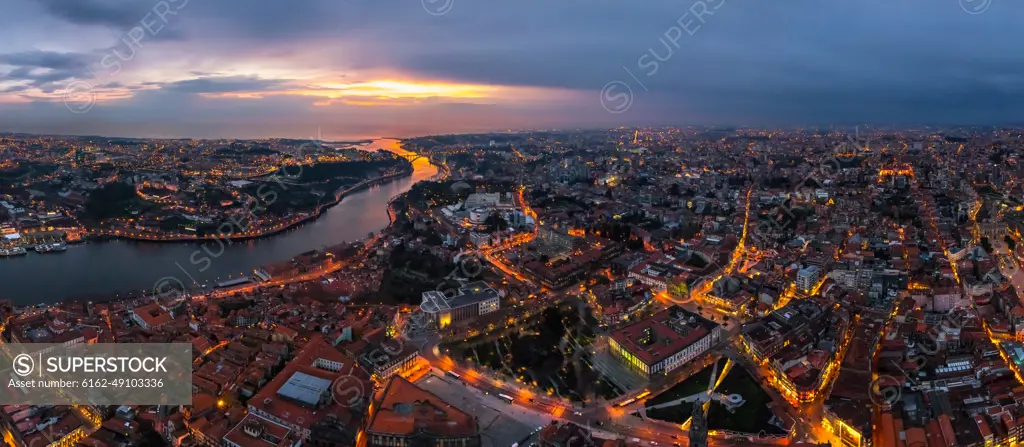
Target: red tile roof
{"x": 152, "y": 315}
{"x": 405, "y": 409}
{"x": 356, "y": 385}
{"x": 261, "y": 433}
{"x": 666, "y": 340}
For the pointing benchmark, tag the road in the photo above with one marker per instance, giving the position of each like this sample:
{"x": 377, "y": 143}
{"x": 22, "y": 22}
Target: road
{"x": 604, "y": 418}
{"x": 607, "y": 418}
{"x": 331, "y": 268}
{"x": 86, "y": 413}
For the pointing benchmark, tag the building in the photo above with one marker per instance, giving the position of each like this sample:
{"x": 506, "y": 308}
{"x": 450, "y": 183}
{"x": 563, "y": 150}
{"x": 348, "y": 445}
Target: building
{"x": 255, "y": 431}
{"x": 807, "y": 278}
{"x": 661, "y": 271}
{"x": 46, "y": 328}
{"x": 469, "y": 301}
{"x": 385, "y": 357}
{"x": 562, "y": 272}
{"x": 570, "y": 170}
{"x": 477, "y": 216}
{"x": 61, "y": 427}
{"x": 150, "y": 316}
{"x": 729, "y": 293}
{"x": 558, "y": 241}
{"x": 611, "y": 305}
{"x": 301, "y": 395}
{"x": 408, "y": 415}
{"x": 992, "y": 230}
{"x": 664, "y": 342}
{"x": 489, "y": 200}
{"x": 566, "y": 434}
{"x": 698, "y": 427}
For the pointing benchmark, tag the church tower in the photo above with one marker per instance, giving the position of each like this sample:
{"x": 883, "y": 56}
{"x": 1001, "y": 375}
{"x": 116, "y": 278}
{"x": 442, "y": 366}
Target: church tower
{"x": 698, "y": 426}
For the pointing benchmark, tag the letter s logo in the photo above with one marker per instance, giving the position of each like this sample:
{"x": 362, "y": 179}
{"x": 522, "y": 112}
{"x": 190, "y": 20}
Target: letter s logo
{"x": 24, "y": 365}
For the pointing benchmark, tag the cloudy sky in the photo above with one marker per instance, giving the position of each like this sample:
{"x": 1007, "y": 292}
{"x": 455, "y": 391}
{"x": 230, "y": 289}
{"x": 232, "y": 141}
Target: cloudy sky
{"x": 362, "y": 68}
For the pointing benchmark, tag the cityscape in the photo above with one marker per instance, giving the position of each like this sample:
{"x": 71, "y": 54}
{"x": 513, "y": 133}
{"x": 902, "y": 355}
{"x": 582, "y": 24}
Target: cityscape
{"x": 446, "y": 226}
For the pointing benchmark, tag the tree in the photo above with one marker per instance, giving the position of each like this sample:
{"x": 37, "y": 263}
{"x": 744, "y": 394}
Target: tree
{"x": 109, "y": 200}
{"x": 1012, "y": 244}
{"x": 677, "y": 289}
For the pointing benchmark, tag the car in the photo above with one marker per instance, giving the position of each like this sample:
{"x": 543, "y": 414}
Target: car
{"x": 599, "y": 423}
{"x": 675, "y": 437}
{"x": 577, "y": 413}
{"x": 654, "y": 443}
{"x": 675, "y": 444}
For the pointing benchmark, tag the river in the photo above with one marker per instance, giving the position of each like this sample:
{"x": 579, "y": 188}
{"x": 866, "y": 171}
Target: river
{"x": 121, "y": 267}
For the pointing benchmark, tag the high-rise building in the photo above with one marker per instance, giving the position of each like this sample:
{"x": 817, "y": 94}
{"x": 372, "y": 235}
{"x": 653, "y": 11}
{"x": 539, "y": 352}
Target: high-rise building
{"x": 807, "y": 278}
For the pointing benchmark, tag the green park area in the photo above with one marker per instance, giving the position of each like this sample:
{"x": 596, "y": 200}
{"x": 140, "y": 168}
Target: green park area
{"x": 550, "y": 353}
{"x": 751, "y": 417}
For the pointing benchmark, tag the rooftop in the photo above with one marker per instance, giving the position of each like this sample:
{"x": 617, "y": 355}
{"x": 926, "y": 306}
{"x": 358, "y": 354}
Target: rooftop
{"x": 405, "y": 409}
{"x": 664, "y": 334}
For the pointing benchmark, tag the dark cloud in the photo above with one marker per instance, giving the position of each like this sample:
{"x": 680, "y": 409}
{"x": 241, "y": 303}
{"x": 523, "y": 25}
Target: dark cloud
{"x": 224, "y": 84}
{"x": 794, "y": 62}
{"x": 15, "y": 88}
{"x": 45, "y": 59}
{"x": 120, "y": 16}
{"x": 44, "y": 68}
{"x": 93, "y": 12}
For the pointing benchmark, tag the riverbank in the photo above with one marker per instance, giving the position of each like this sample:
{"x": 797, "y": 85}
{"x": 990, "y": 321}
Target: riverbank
{"x": 122, "y": 267}
{"x": 294, "y": 222}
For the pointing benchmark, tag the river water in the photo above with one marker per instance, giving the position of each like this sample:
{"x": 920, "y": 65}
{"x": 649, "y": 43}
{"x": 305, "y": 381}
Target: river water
{"x": 121, "y": 267}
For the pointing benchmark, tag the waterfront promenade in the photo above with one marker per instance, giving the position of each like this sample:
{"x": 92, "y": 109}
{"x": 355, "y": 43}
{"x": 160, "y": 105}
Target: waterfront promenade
{"x": 122, "y": 266}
